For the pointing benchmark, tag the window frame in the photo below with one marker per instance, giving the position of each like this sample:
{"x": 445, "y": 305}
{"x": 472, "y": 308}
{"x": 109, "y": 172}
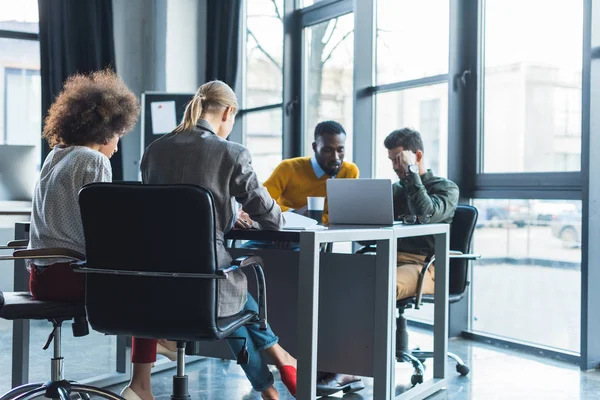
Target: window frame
{"x": 548, "y": 185}
{"x": 239, "y": 132}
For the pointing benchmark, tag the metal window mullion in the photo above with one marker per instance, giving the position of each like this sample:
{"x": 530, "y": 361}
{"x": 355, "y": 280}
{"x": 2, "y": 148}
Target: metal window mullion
{"x": 19, "y": 35}
{"x": 259, "y": 109}
{"x": 590, "y": 254}
{"x": 409, "y": 84}
{"x": 364, "y": 75}
{"x": 318, "y": 13}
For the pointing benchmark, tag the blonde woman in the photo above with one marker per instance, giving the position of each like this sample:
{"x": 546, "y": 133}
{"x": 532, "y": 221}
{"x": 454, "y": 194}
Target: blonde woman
{"x": 197, "y": 152}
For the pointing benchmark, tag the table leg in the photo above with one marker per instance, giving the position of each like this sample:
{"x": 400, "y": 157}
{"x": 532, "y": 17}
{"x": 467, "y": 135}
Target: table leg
{"x": 384, "y": 346}
{"x": 440, "y": 326}
{"x": 308, "y": 315}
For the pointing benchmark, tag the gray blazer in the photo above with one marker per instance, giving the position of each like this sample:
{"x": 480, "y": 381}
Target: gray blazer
{"x": 202, "y": 158}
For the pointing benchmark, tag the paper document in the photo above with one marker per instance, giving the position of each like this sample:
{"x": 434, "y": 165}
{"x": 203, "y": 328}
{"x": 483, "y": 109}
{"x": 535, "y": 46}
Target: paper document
{"x": 163, "y": 115}
{"x": 295, "y": 221}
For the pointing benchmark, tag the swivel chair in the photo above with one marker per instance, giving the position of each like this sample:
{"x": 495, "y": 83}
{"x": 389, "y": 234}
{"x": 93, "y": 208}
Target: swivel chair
{"x": 461, "y": 235}
{"x": 155, "y": 252}
{"x": 21, "y": 305}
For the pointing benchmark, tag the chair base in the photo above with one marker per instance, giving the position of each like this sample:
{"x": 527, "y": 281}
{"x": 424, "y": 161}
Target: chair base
{"x": 58, "y": 387}
{"x": 180, "y": 388}
{"x": 417, "y": 357}
{"x": 57, "y": 390}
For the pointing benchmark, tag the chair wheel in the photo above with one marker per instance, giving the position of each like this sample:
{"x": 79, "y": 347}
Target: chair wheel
{"x": 416, "y": 379}
{"x": 462, "y": 369}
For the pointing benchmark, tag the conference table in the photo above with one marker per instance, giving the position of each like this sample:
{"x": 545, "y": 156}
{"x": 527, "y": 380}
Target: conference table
{"x": 336, "y": 312}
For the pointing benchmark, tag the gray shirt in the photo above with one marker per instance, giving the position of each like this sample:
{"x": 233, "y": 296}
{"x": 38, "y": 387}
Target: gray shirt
{"x": 55, "y": 217}
{"x": 200, "y": 157}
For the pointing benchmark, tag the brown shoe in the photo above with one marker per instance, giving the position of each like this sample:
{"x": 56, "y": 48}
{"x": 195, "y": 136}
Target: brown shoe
{"x": 333, "y": 383}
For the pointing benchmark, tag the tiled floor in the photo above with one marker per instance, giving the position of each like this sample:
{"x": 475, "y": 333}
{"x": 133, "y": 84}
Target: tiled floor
{"x": 495, "y": 374}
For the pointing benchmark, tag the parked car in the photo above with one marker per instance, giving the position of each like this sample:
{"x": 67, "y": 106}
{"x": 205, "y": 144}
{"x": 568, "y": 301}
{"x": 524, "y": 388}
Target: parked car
{"x": 567, "y": 227}
{"x": 491, "y": 215}
{"x": 543, "y": 212}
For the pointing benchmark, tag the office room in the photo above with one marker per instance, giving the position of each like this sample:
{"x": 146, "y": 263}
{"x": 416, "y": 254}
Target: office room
{"x": 278, "y": 199}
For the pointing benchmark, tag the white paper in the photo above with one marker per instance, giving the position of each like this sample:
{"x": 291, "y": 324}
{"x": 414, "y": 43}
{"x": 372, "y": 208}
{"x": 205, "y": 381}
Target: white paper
{"x": 294, "y": 221}
{"x": 163, "y": 115}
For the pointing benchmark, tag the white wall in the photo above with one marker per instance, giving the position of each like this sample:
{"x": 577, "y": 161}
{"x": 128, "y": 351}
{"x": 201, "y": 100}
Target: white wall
{"x": 186, "y": 45}
{"x": 160, "y": 45}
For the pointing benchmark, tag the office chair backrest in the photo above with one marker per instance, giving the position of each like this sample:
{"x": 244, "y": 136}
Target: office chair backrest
{"x": 150, "y": 228}
{"x": 461, "y": 235}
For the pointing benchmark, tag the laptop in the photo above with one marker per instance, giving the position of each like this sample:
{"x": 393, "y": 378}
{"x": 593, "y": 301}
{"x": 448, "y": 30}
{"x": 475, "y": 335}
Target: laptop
{"x": 360, "y": 202}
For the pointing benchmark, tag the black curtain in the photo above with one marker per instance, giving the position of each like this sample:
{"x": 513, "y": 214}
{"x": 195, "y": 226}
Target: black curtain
{"x": 223, "y": 40}
{"x": 75, "y": 37}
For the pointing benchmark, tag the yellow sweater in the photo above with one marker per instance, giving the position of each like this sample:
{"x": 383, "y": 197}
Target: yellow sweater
{"x": 294, "y": 180}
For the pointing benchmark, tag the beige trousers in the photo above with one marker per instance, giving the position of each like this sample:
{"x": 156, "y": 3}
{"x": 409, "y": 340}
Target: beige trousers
{"x": 408, "y": 271}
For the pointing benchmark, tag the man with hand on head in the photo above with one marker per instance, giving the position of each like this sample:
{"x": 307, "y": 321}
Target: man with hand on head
{"x": 420, "y": 197}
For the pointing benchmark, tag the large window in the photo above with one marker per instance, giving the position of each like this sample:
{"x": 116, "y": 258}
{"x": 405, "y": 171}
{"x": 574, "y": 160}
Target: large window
{"x": 526, "y": 286}
{"x": 532, "y": 52}
{"x": 263, "y": 137}
{"x": 328, "y": 77}
{"x": 412, "y": 66}
{"x": 412, "y": 39}
{"x": 423, "y": 108}
{"x": 263, "y": 84}
{"x": 20, "y": 85}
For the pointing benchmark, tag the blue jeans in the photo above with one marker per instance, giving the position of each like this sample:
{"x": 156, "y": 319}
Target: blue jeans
{"x": 257, "y": 340}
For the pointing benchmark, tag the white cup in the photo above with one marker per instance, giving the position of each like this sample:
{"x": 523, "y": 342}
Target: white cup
{"x": 316, "y": 203}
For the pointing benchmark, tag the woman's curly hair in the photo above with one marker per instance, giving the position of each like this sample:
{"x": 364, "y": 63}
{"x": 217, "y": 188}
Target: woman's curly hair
{"x": 91, "y": 109}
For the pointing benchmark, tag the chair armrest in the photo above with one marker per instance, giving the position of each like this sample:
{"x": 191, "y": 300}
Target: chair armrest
{"x": 247, "y": 261}
{"x": 15, "y": 245}
{"x": 451, "y": 254}
{"x": 256, "y": 263}
{"x": 428, "y": 263}
{"x": 466, "y": 256}
{"x": 45, "y": 253}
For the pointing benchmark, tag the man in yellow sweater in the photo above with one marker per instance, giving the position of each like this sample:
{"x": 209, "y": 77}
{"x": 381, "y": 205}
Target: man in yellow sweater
{"x": 298, "y": 178}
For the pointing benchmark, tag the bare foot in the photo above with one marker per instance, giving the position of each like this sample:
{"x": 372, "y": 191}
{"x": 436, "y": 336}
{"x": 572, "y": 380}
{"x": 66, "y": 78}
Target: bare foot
{"x": 144, "y": 394}
{"x": 169, "y": 344}
{"x": 280, "y": 356}
{"x": 270, "y": 393}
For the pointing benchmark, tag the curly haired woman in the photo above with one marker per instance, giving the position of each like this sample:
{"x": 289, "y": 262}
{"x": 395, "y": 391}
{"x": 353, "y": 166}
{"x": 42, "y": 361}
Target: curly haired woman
{"x": 83, "y": 128}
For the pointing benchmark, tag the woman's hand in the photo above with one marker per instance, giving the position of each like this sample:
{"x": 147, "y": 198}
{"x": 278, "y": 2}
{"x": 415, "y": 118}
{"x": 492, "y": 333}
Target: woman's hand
{"x": 243, "y": 221}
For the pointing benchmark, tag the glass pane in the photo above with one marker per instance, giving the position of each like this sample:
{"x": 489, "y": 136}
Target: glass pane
{"x": 412, "y": 39}
{"x": 532, "y": 85}
{"x": 20, "y": 95}
{"x": 85, "y": 357}
{"x": 529, "y": 272}
{"x": 306, "y": 3}
{"x": 19, "y": 15}
{"x": 264, "y": 53}
{"x": 329, "y": 74}
{"x": 424, "y": 109}
{"x": 264, "y": 140}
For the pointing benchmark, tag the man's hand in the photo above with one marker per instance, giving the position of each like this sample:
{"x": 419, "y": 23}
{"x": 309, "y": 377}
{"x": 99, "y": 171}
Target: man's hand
{"x": 243, "y": 221}
{"x": 406, "y": 158}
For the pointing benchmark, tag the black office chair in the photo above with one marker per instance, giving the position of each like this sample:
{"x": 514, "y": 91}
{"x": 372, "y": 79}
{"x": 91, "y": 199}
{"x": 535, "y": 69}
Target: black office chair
{"x": 151, "y": 267}
{"x": 461, "y": 235}
{"x": 21, "y": 305}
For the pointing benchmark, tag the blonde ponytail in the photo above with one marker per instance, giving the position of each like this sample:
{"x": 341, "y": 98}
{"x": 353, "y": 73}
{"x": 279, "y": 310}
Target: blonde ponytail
{"x": 211, "y": 97}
